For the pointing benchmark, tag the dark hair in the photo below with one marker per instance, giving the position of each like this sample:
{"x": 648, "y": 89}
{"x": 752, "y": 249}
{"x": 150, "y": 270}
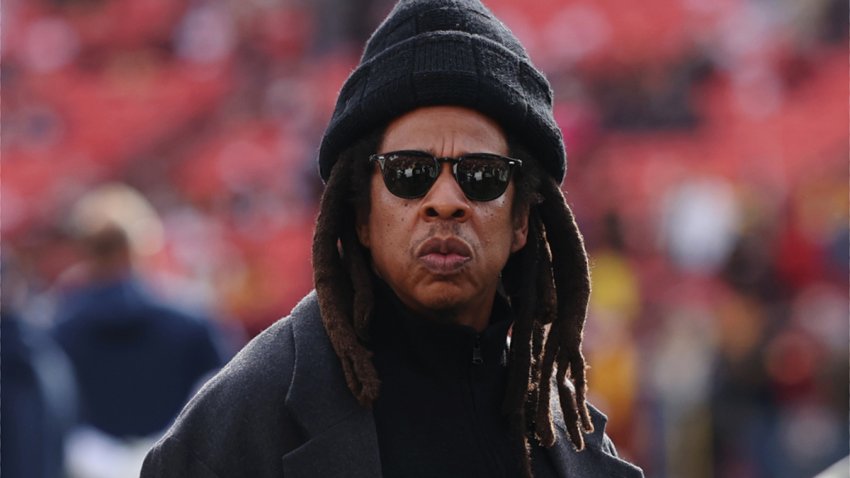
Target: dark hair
{"x": 550, "y": 310}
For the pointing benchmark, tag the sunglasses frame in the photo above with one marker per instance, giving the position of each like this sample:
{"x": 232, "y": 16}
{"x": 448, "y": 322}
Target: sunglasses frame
{"x": 439, "y": 160}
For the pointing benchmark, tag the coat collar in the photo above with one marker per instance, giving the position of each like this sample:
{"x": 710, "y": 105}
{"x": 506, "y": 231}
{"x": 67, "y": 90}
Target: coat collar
{"x": 340, "y": 434}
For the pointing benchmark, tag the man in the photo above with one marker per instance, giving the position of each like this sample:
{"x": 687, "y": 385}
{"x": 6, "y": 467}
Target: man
{"x": 137, "y": 358}
{"x": 39, "y": 394}
{"x": 451, "y": 285}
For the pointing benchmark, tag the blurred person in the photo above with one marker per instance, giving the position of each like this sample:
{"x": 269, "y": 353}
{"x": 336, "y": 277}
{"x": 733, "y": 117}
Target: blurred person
{"x": 451, "y": 285}
{"x": 615, "y": 306}
{"x": 137, "y": 358}
{"x": 700, "y": 222}
{"x": 37, "y": 389}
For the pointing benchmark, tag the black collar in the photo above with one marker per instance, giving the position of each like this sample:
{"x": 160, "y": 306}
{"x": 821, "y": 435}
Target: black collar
{"x": 435, "y": 348}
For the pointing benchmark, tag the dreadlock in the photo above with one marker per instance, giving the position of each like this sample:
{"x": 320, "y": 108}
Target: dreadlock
{"x": 550, "y": 309}
{"x": 341, "y": 274}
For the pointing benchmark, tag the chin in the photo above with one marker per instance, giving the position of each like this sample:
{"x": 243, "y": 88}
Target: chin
{"x": 444, "y": 300}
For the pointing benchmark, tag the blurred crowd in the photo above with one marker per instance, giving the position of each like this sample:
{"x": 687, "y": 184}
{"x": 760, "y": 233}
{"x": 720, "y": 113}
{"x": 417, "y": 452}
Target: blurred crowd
{"x": 159, "y": 182}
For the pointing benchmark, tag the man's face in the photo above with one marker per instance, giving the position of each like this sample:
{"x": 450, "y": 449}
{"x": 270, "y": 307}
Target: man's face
{"x": 442, "y": 253}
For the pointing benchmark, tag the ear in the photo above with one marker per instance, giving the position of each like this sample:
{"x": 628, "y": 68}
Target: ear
{"x": 520, "y": 231}
{"x": 362, "y": 228}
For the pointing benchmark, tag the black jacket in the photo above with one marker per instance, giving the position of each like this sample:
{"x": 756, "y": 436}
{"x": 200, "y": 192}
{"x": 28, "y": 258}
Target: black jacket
{"x": 281, "y": 408}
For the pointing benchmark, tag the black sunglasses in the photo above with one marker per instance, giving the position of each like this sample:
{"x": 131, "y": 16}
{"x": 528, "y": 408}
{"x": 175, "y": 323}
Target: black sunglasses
{"x": 410, "y": 174}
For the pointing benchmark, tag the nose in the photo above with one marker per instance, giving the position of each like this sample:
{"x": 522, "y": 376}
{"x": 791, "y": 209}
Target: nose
{"x": 445, "y": 199}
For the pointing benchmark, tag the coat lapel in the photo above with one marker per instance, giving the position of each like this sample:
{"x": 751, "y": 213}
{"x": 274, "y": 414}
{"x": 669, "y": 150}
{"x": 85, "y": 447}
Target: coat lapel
{"x": 349, "y": 449}
{"x": 341, "y": 440}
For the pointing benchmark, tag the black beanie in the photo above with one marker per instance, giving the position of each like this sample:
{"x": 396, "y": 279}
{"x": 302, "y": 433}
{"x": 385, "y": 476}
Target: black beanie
{"x": 445, "y": 52}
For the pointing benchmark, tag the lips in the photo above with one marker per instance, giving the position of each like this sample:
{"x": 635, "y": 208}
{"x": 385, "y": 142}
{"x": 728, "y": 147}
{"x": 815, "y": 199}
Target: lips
{"x": 444, "y": 256}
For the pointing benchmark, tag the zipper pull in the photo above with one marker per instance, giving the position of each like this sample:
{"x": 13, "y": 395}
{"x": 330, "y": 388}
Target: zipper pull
{"x": 477, "y": 358}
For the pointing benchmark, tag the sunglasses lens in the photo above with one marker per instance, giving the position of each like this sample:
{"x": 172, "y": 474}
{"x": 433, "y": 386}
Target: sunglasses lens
{"x": 409, "y": 176}
{"x": 483, "y": 178}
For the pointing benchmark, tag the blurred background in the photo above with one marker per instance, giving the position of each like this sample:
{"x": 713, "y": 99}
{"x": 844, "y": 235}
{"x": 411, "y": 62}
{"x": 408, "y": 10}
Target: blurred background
{"x": 159, "y": 190}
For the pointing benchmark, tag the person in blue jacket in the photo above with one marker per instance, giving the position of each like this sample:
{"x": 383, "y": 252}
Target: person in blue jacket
{"x": 38, "y": 394}
{"x": 137, "y": 358}
{"x": 444, "y": 334}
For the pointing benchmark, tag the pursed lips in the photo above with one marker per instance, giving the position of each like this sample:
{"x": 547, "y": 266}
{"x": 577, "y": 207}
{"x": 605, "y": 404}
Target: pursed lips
{"x": 444, "y": 256}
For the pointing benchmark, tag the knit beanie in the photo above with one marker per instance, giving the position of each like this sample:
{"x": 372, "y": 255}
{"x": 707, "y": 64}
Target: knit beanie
{"x": 445, "y": 52}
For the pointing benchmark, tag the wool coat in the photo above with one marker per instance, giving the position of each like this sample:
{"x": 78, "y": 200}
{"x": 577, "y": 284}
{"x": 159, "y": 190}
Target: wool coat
{"x": 281, "y": 408}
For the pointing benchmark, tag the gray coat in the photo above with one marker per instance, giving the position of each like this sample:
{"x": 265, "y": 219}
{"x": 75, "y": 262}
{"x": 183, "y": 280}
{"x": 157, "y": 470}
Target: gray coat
{"x": 281, "y": 408}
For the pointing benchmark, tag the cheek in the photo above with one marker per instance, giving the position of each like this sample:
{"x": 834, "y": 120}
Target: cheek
{"x": 389, "y": 230}
{"x": 498, "y": 229}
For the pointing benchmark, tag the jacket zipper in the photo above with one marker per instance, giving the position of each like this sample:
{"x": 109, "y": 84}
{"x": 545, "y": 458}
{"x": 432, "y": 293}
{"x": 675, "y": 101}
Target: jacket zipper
{"x": 476, "y": 372}
{"x": 477, "y": 358}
